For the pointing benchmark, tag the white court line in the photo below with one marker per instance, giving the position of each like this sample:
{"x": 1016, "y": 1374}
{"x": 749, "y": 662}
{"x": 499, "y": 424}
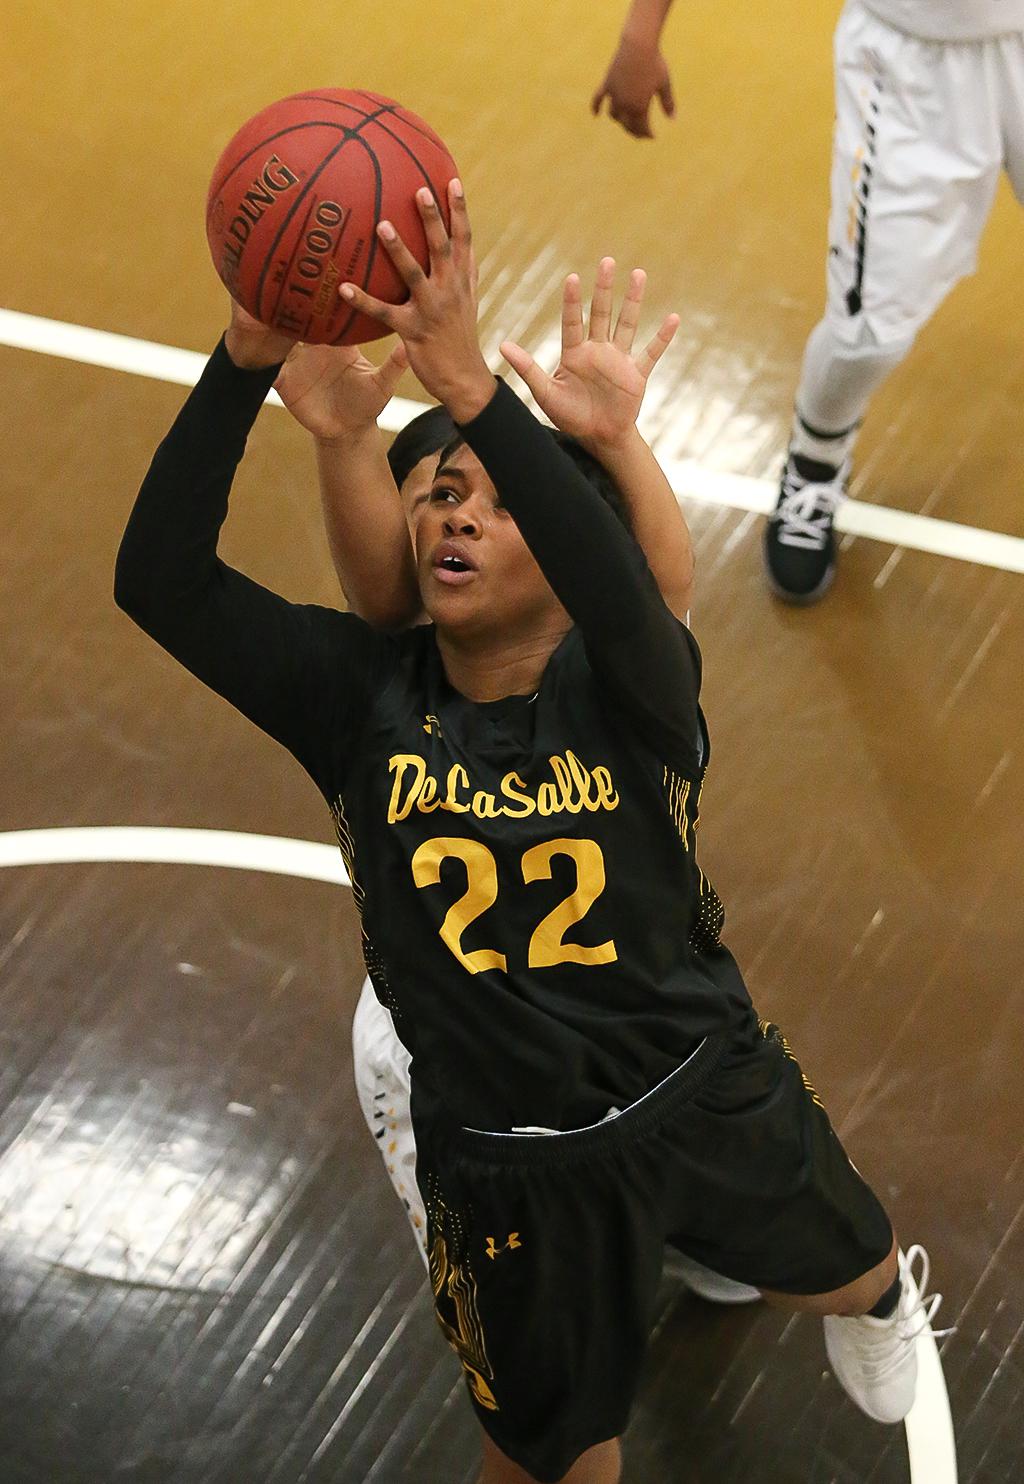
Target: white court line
{"x": 931, "y": 1442}
{"x": 931, "y": 1447}
{"x": 54, "y": 337}
{"x": 688, "y": 479}
{"x": 243, "y": 852}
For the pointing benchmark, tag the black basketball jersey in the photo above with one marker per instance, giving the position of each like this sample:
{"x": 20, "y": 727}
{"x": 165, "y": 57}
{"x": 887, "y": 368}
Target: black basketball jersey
{"x": 533, "y": 911}
{"x": 532, "y": 908}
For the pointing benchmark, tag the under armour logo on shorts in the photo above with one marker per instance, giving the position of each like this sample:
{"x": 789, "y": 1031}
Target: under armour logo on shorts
{"x": 513, "y": 1242}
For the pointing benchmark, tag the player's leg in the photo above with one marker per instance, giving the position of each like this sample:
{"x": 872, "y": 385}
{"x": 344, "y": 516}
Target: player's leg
{"x": 768, "y": 1195}
{"x": 871, "y": 1330}
{"x": 916, "y": 159}
{"x": 842, "y": 366}
{"x": 380, "y": 1064}
{"x": 858, "y": 1297}
{"x": 545, "y": 1262}
{"x": 1008, "y": 66}
{"x": 600, "y": 1465}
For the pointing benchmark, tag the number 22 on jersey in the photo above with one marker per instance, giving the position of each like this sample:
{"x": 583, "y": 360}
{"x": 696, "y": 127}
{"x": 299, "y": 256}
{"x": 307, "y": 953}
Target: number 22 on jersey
{"x": 547, "y": 946}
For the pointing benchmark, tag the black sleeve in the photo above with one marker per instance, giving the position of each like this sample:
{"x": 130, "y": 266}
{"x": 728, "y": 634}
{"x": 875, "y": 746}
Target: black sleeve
{"x": 647, "y": 659}
{"x": 298, "y": 671}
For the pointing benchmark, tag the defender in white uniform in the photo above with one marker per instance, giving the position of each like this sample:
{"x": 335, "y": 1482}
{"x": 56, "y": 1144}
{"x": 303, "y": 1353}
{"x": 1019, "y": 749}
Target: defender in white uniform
{"x": 929, "y": 112}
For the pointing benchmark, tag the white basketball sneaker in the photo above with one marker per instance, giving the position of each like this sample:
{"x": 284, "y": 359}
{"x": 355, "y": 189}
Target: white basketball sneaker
{"x": 875, "y": 1360}
{"x": 706, "y": 1283}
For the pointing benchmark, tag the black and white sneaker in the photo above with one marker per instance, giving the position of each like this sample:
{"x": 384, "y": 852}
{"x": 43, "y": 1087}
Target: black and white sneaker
{"x": 799, "y": 542}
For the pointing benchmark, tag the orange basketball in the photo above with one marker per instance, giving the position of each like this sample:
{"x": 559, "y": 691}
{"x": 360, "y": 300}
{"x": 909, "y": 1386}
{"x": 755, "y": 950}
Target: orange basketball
{"x": 295, "y": 200}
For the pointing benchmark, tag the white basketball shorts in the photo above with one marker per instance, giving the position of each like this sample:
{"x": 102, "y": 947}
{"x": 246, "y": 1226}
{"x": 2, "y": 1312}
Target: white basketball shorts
{"x": 923, "y": 131}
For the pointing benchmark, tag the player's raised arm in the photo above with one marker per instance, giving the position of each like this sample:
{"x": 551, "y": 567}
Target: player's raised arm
{"x": 337, "y": 395}
{"x": 279, "y": 663}
{"x": 638, "y": 73}
{"x": 595, "y": 394}
{"x": 593, "y": 565}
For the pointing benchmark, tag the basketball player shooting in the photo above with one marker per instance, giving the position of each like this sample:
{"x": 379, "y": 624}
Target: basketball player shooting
{"x": 371, "y": 503}
{"x": 515, "y": 788}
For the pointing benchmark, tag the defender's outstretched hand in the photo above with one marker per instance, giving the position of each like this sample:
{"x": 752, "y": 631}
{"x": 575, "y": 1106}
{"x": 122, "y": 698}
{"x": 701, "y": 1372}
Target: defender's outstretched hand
{"x": 598, "y": 385}
{"x": 437, "y": 323}
{"x": 335, "y": 392}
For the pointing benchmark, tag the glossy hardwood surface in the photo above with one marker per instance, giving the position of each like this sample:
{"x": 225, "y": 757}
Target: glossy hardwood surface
{"x": 204, "y": 1274}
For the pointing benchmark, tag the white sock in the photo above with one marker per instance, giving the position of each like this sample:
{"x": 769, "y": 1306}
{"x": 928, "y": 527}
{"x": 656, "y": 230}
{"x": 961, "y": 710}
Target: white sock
{"x": 836, "y": 383}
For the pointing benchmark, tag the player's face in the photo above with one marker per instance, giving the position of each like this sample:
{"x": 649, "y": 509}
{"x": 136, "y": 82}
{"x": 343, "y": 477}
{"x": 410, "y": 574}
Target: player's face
{"x": 476, "y": 572}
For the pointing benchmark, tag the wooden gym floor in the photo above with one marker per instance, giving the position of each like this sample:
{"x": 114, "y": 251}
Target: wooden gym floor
{"x": 203, "y": 1273}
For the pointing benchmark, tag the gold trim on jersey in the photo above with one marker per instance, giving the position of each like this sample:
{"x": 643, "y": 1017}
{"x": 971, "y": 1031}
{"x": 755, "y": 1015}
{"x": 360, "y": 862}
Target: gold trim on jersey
{"x": 372, "y": 959}
{"x": 347, "y": 846}
{"x": 573, "y": 788}
{"x": 705, "y": 935}
{"x": 678, "y": 791}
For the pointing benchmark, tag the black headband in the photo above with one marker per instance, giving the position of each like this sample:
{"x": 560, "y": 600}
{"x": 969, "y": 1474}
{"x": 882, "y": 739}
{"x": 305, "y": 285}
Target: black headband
{"x": 426, "y": 434}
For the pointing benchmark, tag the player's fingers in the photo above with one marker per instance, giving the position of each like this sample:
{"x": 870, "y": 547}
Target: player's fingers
{"x": 287, "y": 371}
{"x": 668, "y": 98}
{"x": 409, "y": 271}
{"x": 634, "y": 121}
{"x": 652, "y": 353}
{"x": 572, "y": 313}
{"x": 358, "y": 299}
{"x": 629, "y": 314}
{"x": 521, "y": 361}
{"x": 601, "y": 301}
{"x": 462, "y": 233}
{"x": 284, "y": 381}
{"x": 438, "y": 241}
{"x": 306, "y": 369}
{"x": 599, "y": 96}
{"x": 390, "y": 372}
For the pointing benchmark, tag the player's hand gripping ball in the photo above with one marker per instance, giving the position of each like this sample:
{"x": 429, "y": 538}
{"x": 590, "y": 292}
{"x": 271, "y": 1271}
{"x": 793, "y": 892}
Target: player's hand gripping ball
{"x": 294, "y": 203}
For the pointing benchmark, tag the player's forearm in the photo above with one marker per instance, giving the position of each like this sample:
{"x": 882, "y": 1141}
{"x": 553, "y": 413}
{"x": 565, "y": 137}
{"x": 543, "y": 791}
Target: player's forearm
{"x": 645, "y": 21}
{"x": 658, "y": 523}
{"x": 558, "y": 513}
{"x": 366, "y": 530}
{"x": 169, "y": 548}
{"x": 595, "y": 569}
{"x": 227, "y": 630}
{"x": 243, "y": 641}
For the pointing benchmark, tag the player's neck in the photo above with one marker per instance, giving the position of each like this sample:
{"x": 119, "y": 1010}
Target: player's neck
{"x": 492, "y": 668}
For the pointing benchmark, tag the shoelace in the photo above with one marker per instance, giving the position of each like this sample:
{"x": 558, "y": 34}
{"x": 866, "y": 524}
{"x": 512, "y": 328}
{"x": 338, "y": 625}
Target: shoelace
{"x": 927, "y": 1305}
{"x": 882, "y": 1350}
{"x": 806, "y": 510}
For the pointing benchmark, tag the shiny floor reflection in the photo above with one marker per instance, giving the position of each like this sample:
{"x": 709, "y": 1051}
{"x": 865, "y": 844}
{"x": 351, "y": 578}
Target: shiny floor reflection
{"x": 204, "y": 1277}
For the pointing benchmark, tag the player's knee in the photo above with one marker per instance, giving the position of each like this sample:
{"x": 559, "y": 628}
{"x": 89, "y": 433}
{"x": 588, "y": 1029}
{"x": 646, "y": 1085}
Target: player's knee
{"x": 870, "y": 337}
{"x": 865, "y": 338}
{"x": 601, "y": 1464}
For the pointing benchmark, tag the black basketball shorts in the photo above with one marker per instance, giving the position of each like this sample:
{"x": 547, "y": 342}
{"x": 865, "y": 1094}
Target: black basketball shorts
{"x": 546, "y": 1250}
